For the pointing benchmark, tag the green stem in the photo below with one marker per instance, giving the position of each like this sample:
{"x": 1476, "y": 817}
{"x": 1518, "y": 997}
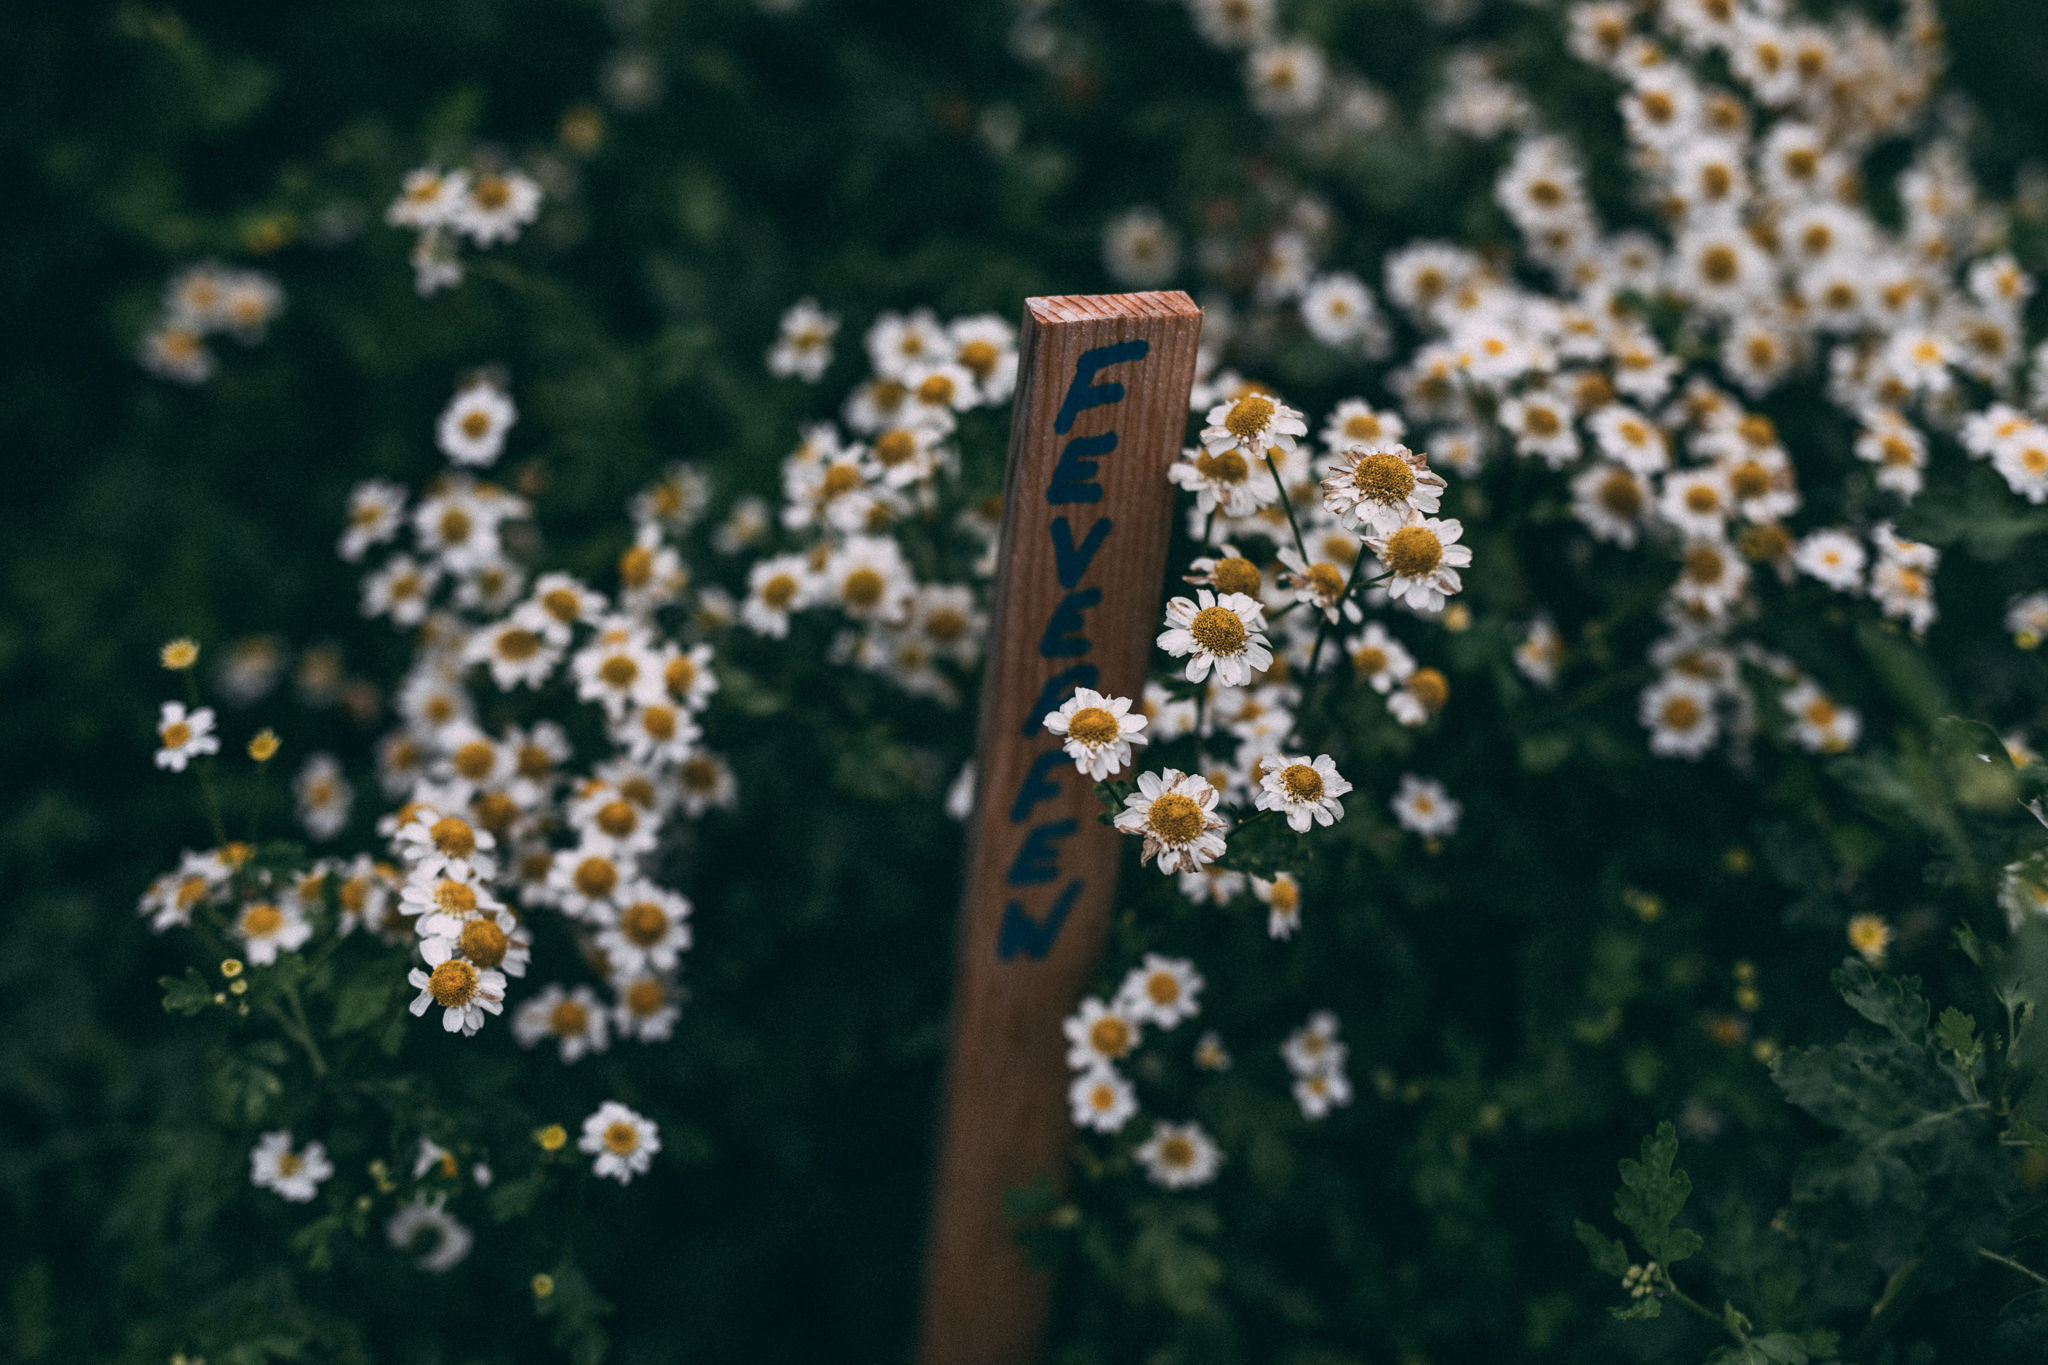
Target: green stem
{"x": 298, "y": 1029}
{"x": 1671, "y": 1287}
{"x": 1287, "y": 505}
{"x": 1988, "y": 1254}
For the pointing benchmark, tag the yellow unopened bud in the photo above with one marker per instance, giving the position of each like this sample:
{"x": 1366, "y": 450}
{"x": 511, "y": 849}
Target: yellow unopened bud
{"x": 179, "y": 654}
{"x": 552, "y": 1137}
{"x": 231, "y": 967}
{"x": 263, "y": 747}
{"x": 1457, "y": 618}
{"x": 543, "y": 1285}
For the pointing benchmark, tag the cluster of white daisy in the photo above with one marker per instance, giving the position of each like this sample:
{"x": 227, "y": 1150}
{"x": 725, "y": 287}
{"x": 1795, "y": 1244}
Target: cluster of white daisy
{"x": 201, "y": 301}
{"x": 855, "y": 498}
{"x": 1635, "y": 372}
{"x": 484, "y": 816}
{"x": 1315, "y": 1056}
{"x": 1161, "y": 993}
{"x": 483, "y": 206}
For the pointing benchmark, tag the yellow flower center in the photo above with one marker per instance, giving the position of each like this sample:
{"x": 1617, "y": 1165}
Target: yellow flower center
{"x": 979, "y": 358}
{"x": 1702, "y": 499}
{"x": 1703, "y": 564}
{"x": 894, "y": 447}
{"x": 1093, "y": 725}
{"x": 636, "y": 566}
{"x": 475, "y": 423}
{"x": 455, "y": 526}
{"x": 1229, "y": 467}
{"x": 617, "y": 818}
{"x": 290, "y": 1163}
{"x": 484, "y": 943}
{"x": 1218, "y": 630}
{"x": 492, "y": 192}
{"x": 945, "y": 625}
{"x": 595, "y": 877}
{"x": 1369, "y": 659}
{"x": 1543, "y": 422}
{"x": 176, "y": 735}
{"x": 455, "y": 898}
{"x": 1235, "y": 574}
{"x": 1163, "y": 988}
{"x": 1681, "y": 713}
{"x": 453, "y": 837}
{"x": 1285, "y": 897}
{"x": 698, "y": 774}
{"x": 680, "y": 675}
{"x": 778, "y": 592}
{"x": 1620, "y": 494}
{"x": 1430, "y": 687}
{"x": 645, "y": 996}
{"x": 936, "y": 390}
{"x": 517, "y": 644}
{"x": 1749, "y": 480}
{"x": 1719, "y": 264}
{"x": 1110, "y": 1036}
{"x": 862, "y": 588}
{"x": 561, "y": 604}
{"x": 1325, "y": 580}
{"x": 1385, "y": 477}
{"x": 1175, "y": 819}
{"x": 475, "y": 760}
{"x": 620, "y": 1139}
{"x": 643, "y": 923}
{"x": 568, "y": 1018}
{"x": 1413, "y": 551}
{"x": 261, "y": 921}
{"x": 1176, "y": 1152}
{"x": 659, "y": 723}
{"x": 618, "y": 671}
{"x": 453, "y": 984}
{"x": 1248, "y": 416}
{"x": 1301, "y": 782}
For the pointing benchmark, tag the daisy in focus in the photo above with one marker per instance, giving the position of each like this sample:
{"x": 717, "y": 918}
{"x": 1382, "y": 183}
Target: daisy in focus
{"x": 1175, "y": 812}
{"x": 1098, "y": 731}
{"x": 623, "y": 1142}
{"x": 1224, "y": 633}
{"x": 1304, "y": 791}
{"x": 184, "y": 735}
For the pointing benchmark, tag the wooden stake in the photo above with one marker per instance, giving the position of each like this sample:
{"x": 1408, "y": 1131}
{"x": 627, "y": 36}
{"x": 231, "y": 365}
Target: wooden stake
{"x": 1101, "y": 412}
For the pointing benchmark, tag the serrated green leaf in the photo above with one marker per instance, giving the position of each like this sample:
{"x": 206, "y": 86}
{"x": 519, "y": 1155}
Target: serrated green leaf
{"x": 1652, "y": 1194}
{"x": 1610, "y": 1256}
{"x": 1891, "y": 1003}
{"x": 187, "y": 994}
{"x": 1648, "y": 1307}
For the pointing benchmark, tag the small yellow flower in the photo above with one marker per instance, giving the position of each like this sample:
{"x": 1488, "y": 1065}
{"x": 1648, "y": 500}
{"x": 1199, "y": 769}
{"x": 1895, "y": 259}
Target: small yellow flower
{"x": 263, "y": 747}
{"x": 543, "y": 1285}
{"x": 238, "y": 987}
{"x": 235, "y": 853}
{"x": 179, "y": 654}
{"x": 1870, "y": 936}
{"x": 231, "y": 967}
{"x": 551, "y": 1137}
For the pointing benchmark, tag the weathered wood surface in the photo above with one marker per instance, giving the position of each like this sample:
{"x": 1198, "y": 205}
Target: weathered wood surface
{"x": 1101, "y": 411}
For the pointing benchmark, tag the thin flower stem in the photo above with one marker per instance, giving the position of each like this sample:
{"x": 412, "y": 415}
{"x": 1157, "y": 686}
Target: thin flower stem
{"x": 1287, "y": 505}
{"x": 256, "y": 805}
{"x": 297, "y": 1028}
{"x": 2036, "y": 1276}
{"x": 204, "y": 769}
{"x": 1671, "y": 1287}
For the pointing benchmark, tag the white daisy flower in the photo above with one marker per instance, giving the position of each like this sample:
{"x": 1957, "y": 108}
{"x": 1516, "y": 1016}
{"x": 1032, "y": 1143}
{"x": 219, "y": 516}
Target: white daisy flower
{"x": 1160, "y": 991}
{"x": 775, "y": 587}
{"x": 429, "y": 198}
{"x": 1139, "y": 250}
{"x": 472, "y": 427}
{"x": 867, "y": 578}
{"x": 1319, "y": 1092}
{"x": 1282, "y": 898}
{"x": 1226, "y": 481}
{"x": 649, "y": 932}
{"x": 497, "y": 206}
{"x": 1251, "y": 424}
{"x": 1679, "y": 713}
{"x": 1176, "y": 814}
{"x": 1819, "y": 725}
{"x": 986, "y": 346}
{"x": 1099, "y": 731}
{"x": 1378, "y": 659}
{"x": 1102, "y": 1100}
{"x": 425, "y": 1226}
{"x": 1099, "y": 1034}
{"x": 1696, "y": 503}
{"x": 1305, "y": 791}
{"x": 1179, "y": 1156}
{"x": 575, "y": 1019}
{"x": 1314, "y": 1047}
{"x": 1424, "y": 558}
{"x": 437, "y": 845}
{"x": 648, "y": 1007}
{"x": 293, "y": 1175}
{"x": 1423, "y": 807}
{"x": 322, "y": 796}
{"x": 803, "y": 346}
{"x": 1355, "y": 426}
{"x": 184, "y": 735}
{"x": 1836, "y": 558}
{"x": 623, "y": 1142}
{"x": 1223, "y": 633}
{"x": 464, "y": 991}
{"x": 1377, "y": 490}
{"x": 898, "y": 343}
{"x": 376, "y": 509}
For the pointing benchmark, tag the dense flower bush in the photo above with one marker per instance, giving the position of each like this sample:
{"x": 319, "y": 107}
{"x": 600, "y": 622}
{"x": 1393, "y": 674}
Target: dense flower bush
{"x": 1595, "y": 694}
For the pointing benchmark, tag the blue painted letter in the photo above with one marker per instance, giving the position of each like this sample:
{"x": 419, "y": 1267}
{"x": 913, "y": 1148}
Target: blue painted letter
{"x": 1084, "y": 393}
{"x": 1038, "y": 861}
{"x": 1072, "y": 560}
{"x": 1063, "y": 638}
{"x": 1033, "y": 938}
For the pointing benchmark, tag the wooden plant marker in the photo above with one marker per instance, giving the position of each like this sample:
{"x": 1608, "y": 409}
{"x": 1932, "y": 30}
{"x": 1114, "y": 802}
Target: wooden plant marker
{"x": 1101, "y": 412}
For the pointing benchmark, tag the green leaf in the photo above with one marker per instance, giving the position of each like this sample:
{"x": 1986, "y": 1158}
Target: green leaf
{"x": 1610, "y": 1256}
{"x": 367, "y": 1000}
{"x": 1782, "y": 1347}
{"x": 187, "y": 994}
{"x": 1646, "y": 1307}
{"x": 1958, "y": 1033}
{"x": 1652, "y": 1194}
{"x": 1891, "y": 1003}
{"x": 516, "y": 1198}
